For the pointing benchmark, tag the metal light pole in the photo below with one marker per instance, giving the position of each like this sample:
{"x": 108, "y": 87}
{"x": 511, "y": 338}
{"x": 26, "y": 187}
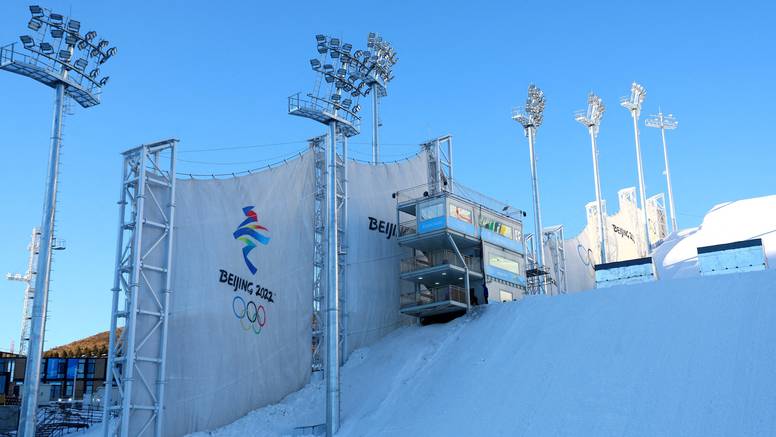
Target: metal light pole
{"x": 59, "y": 69}
{"x": 345, "y": 73}
{"x": 376, "y": 70}
{"x": 633, "y": 104}
{"x": 666, "y": 122}
{"x": 531, "y": 118}
{"x": 592, "y": 120}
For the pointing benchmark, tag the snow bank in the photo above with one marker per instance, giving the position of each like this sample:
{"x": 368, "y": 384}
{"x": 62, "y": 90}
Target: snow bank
{"x": 744, "y": 219}
{"x": 690, "y": 357}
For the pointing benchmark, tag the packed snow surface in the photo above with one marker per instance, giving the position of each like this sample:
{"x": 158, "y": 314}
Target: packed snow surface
{"x": 689, "y": 357}
{"x": 728, "y": 222}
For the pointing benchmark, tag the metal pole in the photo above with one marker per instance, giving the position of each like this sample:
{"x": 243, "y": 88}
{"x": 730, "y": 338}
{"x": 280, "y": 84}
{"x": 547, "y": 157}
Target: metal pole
{"x": 642, "y": 189}
{"x": 538, "y": 240}
{"x": 375, "y": 125}
{"x": 598, "y": 198}
{"x": 161, "y": 382}
{"x": 332, "y": 292}
{"x": 344, "y": 244}
{"x": 668, "y": 178}
{"x": 466, "y": 271}
{"x": 40, "y": 301}
{"x": 107, "y": 401}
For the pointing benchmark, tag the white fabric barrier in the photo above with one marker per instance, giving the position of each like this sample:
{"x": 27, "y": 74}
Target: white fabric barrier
{"x": 240, "y": 327}
{"x": 373, "y": 284}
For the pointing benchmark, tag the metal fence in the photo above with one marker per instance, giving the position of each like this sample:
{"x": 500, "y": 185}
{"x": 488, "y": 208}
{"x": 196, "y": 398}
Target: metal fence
{"x": 434, "y": 295}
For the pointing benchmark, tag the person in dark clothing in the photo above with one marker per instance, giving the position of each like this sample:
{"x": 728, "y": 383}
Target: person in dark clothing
{"x": 485, "y": 293}
{"x": 472, "y": 297}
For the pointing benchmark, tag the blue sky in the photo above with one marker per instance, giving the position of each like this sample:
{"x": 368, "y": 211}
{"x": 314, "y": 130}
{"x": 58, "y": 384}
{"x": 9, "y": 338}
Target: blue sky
{"x": 217, "y": 74}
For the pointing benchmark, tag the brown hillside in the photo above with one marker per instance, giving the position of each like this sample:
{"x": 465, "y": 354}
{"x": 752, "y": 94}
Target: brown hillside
{"x": 94, "y": 346}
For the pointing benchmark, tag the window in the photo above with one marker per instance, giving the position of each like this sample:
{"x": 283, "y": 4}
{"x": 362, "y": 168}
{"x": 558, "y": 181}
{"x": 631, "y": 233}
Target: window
{"x": 432, "y": 210}
{"x": 504, "y": 263}
{"x": 497, "y": 227}
{"x": 461, "y": 213}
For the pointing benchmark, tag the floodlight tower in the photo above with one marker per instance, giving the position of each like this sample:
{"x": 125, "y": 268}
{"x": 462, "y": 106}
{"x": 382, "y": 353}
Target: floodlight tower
{"x": 344, "y": 73}
{"x": 531, "y": 117}
{"x": 633, "y": 104}
{"x": 666, "y": 122}
{"x": 58, "y": 56}
{"x": 592, "y": 120}
{"x": 378, "y": 62}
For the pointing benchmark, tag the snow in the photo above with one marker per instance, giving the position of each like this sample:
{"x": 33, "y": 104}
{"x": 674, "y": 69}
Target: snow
{"x": 691, "y": 357}
{"x": 725, "y": 223}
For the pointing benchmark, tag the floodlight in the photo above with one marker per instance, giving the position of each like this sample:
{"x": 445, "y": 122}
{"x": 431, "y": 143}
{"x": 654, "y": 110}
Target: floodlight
{"x": 334, "y": 53}
{"x": 112, "y": 52}
{"x": 664, "y": 122}
{"x": 36, "y": 11}
{"x": 90, "y": 35}
{"x": 94, "y": 73}
{"x": 341, "y": 72}
{"x": 56, "y": 18}
{"x": 334, "y": 42}
{"x": 94, "y": 52}
{"x": 46, "y": 48}
{"x": 27, "y": 41}
{"x": 80, "y": 64}
{"x": 71, "y": 39}
{"x": 322, "y": 48}
{"x": 104, "y": 80}
{"x": 102, "y": 44}
{"x": 57, "y": 32}
{"x": 347, "y": 47}
{"x": 82, "y": 45}
{"x": 356, "y": 109}
{"x": 74, "y": 25}
{"x": 64, "y": 55}
{"x": 320, "y": 38}
{"x": 335, "y": 97}
{"x": 347, "y": 102}
{"x": 329, "y": 78}
{"x": 34, "y": 24}
{"x": 315, "y": 63}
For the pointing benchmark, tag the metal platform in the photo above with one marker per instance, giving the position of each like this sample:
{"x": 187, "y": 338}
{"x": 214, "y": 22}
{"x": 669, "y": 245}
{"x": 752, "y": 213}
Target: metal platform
{"x": 324, "y": 111}
{"x": 436, "y": 239}
{"x": 434, "y": 302}
{"x": 36, "y": 68}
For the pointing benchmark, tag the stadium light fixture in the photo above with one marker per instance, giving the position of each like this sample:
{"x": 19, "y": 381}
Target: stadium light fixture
{"x": 591, "y": 119}
{"x": 664, "y": 122}
{"x": 37, "y": 60}
{"x": 633, "y": 105}
{"x": 531, "y": 117}
{"x": 327, "y": 105}
{"x": 375, "y": 70}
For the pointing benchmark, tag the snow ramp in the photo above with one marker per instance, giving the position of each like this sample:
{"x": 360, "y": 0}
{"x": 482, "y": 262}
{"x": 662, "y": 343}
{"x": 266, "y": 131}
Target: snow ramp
{"x": 687, "y": 357}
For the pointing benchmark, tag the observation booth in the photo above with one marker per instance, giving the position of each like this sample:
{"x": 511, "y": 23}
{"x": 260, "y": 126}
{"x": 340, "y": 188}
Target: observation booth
{"x": 458, "y": 243}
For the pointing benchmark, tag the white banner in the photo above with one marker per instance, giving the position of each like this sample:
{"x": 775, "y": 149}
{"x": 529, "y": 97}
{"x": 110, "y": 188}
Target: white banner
{"x": 239, "y": 332}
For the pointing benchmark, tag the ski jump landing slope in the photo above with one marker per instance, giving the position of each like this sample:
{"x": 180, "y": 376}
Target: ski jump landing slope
{"x": 686, "y": 357}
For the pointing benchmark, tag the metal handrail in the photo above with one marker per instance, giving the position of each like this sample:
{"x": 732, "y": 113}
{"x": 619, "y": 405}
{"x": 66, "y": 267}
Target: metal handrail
{"x": 410, "y": 227}
{"x": 438, "y": 258}
{"x": 434, "y": 295}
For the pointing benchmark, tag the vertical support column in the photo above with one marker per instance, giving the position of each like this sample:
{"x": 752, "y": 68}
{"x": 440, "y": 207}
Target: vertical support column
{"x": 343, "y": 260}
{"x": 332, "y": 289}
{"x": 642, "y": 188}
{"x": 375, "y": 125}
{"x": 40, "y": 301}
{"x": 598, "y": 197}
{"x": 674, "y": 226}
{"x": 538, "y": 240}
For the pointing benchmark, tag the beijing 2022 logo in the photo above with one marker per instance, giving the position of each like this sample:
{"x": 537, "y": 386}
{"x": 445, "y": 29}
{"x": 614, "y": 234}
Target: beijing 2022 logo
{"x": 248, "y": 233}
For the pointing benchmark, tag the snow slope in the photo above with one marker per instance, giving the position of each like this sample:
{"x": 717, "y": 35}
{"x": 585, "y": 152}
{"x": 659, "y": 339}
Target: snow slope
{"x": 688, "y": 357}
{"x": 744, "y": 219}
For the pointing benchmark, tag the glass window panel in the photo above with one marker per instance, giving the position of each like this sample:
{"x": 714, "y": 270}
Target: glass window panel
{"x": 504, "y": 263}
{"x": 72, "y": 367}
{"x": 52, "y": 368}
{"x": 433, "y": 210}
{"x": 461, "y": 213}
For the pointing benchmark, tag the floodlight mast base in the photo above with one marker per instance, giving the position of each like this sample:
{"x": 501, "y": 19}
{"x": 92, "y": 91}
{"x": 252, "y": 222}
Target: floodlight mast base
{"x": 40, "y": 301}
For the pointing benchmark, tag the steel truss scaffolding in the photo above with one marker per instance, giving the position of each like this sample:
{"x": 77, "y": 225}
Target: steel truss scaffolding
{"x": 553, "y": 235}
{"x": 318, "y": 147}
{"x": 141, "y": 293}
{"x": 440, "y": 164}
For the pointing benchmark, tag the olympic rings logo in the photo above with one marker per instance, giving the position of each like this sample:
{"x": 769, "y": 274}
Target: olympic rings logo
{"x": 254, "y": 319}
